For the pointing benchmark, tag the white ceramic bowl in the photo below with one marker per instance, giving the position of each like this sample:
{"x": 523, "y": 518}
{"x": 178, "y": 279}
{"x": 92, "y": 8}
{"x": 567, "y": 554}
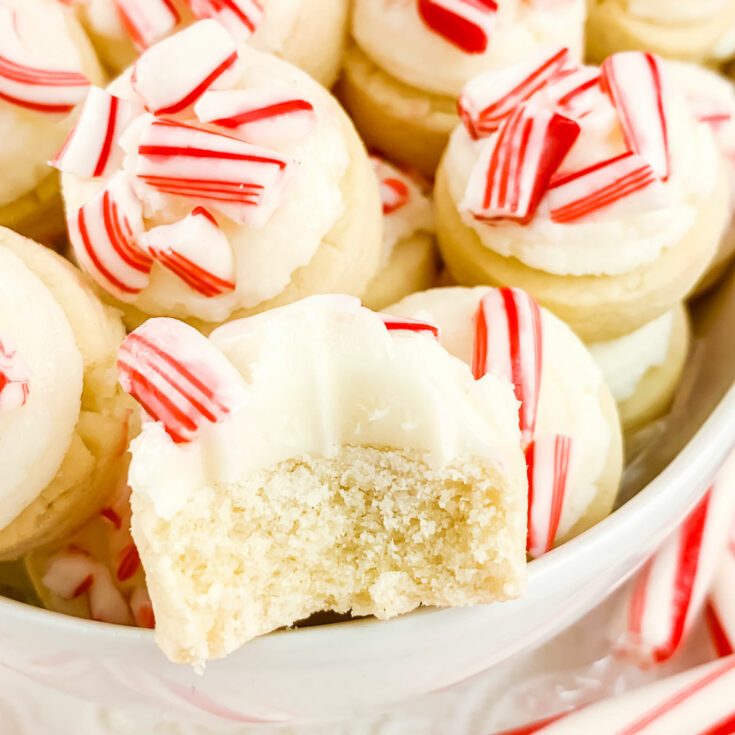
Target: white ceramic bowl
{"x": 344, "y": 668}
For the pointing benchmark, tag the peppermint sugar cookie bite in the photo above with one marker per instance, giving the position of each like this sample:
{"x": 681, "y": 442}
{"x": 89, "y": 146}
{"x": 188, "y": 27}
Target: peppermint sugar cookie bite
{"x": 236, "y": 185}
{"x": 643, "y": 368}
{"x": 409, "y": 257}
{"x": 594, "y": 189}
{"x": 309, "y": 34}
{"x": 568, "y": 420}
{"x": 377, "y": 477}
{"x": 410, "y": 59}
{"x": 701, "y": 31}
{"x": 46, "y": 67}
{"x": 64, "y": 421}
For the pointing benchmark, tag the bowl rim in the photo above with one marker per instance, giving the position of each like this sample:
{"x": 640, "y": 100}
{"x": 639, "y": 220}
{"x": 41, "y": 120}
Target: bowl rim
{"x": 685, "y": 479}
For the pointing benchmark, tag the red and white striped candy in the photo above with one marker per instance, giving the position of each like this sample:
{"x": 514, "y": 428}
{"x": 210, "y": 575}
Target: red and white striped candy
{"x": 405, "y": 324}
{"x": 242, "y": 181}
{"x": 69, "y": 574}
{"x": 394, "y": 194}
{"x": 635, "y": 82}
{"x": 263, "y": 116}
{"x": 721, "y": 605}
{"x": 572, "y": 91}
{"x": 240, "y": 17}
{"x": 140, "y": 604}
{"x": 178, "y": 377}
{"x": 25, "y": 84}
{"x": 514, "y": 169}
{"x": 466, "y": 24}
{"x": 196, "y": 250}
{"x": 92, "y": 150}
{"x": 147, "y": 21}
{"x": 698, "y": 702}
{"x": 15, "y": 377}
{"x": 625, "y": 184}
{"x": 709, "y": 110}
{"x": 106, "y": 602}
{"x": 175, "y": 73}
{"x": 550, "y": 464}
{"x": 509, "y": 342}
{"x": 490, "y": 97}
{"x": 658, "y": 609}
{"x": 103, "y": 233}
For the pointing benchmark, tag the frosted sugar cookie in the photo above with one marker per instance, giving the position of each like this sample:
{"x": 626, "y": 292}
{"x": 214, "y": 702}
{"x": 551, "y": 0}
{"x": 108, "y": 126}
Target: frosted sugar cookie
{"x": 63, "y": 420}
{"x": 232, "y": 188}
{"x": 408, "y": 261}
{"x": 595, "y": 190}
{"x": 46, "y": 66}
{"x": 411, "y": 58}
{"x": 567, "y": 416}
{"x": 376, "y": 477}
{"x": 309, "y": 34}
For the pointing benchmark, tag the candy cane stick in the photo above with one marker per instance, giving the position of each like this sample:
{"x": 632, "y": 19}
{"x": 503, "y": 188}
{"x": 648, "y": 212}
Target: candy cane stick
{"x": 15, "y": 377}
{"x": 697, "y": 702}
{"x": 658, "y": 609}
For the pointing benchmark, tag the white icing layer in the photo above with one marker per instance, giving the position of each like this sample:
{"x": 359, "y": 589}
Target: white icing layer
{"x": 600, "y": 244}
{"x": 323, "y": 373}
{"x": 29, "y": 139}
{"x": 394, "y": 36}
{"x": 626, "y": 360}
{"x": 569, "y": 400}
{"x": 413, "y": 215}
{"x": 35, "y": 437}
{"x": 266, "y": 256}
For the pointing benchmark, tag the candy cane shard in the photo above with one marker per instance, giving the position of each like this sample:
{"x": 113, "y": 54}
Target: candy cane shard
{"x": 490, "y": 97}
{"x": 243, "y": 181}
{"x": 509, "y": 342}
{"x": 92, "y": 149}
{"x": 69, "y": 574}
{"x": 405, "y": 324}
{"x": 698, "y": 701}
{"x": 635, "y": 82}
{"x": 549, "y": 462}
{"x": 721, "y": 606}
{"x": 659, "y": 608}
{"x": 15, "y": 377}
{"x": 263, "y": 116}
{"x": 25, "y": 84}
{"x": 179, "y": 377}
{"x": 175, "y": 73}
{"x": 625, "y": 184}
{"x": 515, "y": 167}
{"x": 142, "y": 607}
{"x": 196, "y": 250}
{"x": 394, "y": 194}
{"x": 127, "y": 562}
{"x": 103, "y": 233}
{"x": 466, "y": 24}
{"x": 571, "y": 91}
{"x": 240, "y": 17}
{"x": 147, "y": 21}
{"x": 106, "y": 602}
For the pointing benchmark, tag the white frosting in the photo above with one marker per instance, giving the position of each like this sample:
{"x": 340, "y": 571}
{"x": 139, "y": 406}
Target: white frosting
{"x": 394, "y": 36}
{"x": 29, "y": 139}
{"x": 320, "y": 374}
{"x": 266, "y": 257}
{"x": 626, "y": 360}
{"x": 569, "y": 399}
{"x": 35, "y": 437}
{"x": 600, "y": 244}
{"x": 416, "y": 215}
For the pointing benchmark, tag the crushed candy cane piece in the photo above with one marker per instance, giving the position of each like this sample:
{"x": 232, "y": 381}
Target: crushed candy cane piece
{"x": 196, "y": 250}
{"x": 515, "y": 167}
{"x": 103, "y": 234}
{"x": 489, "y": 98}
{"x": 178, "y": 377}
{"x": 176, "y": 72}
{"x": 142, "y": 607}
{"x": 92, "y": 149}
{"x": 15, "y": 377}
{"x": 69, "y": 574}
{"x": 509, "y": 342}
{"x": 466, "y": 24}
{"x": 147, "y": 21}
{"x": 405, "y": 324}
{"x": 240, "y": 17}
